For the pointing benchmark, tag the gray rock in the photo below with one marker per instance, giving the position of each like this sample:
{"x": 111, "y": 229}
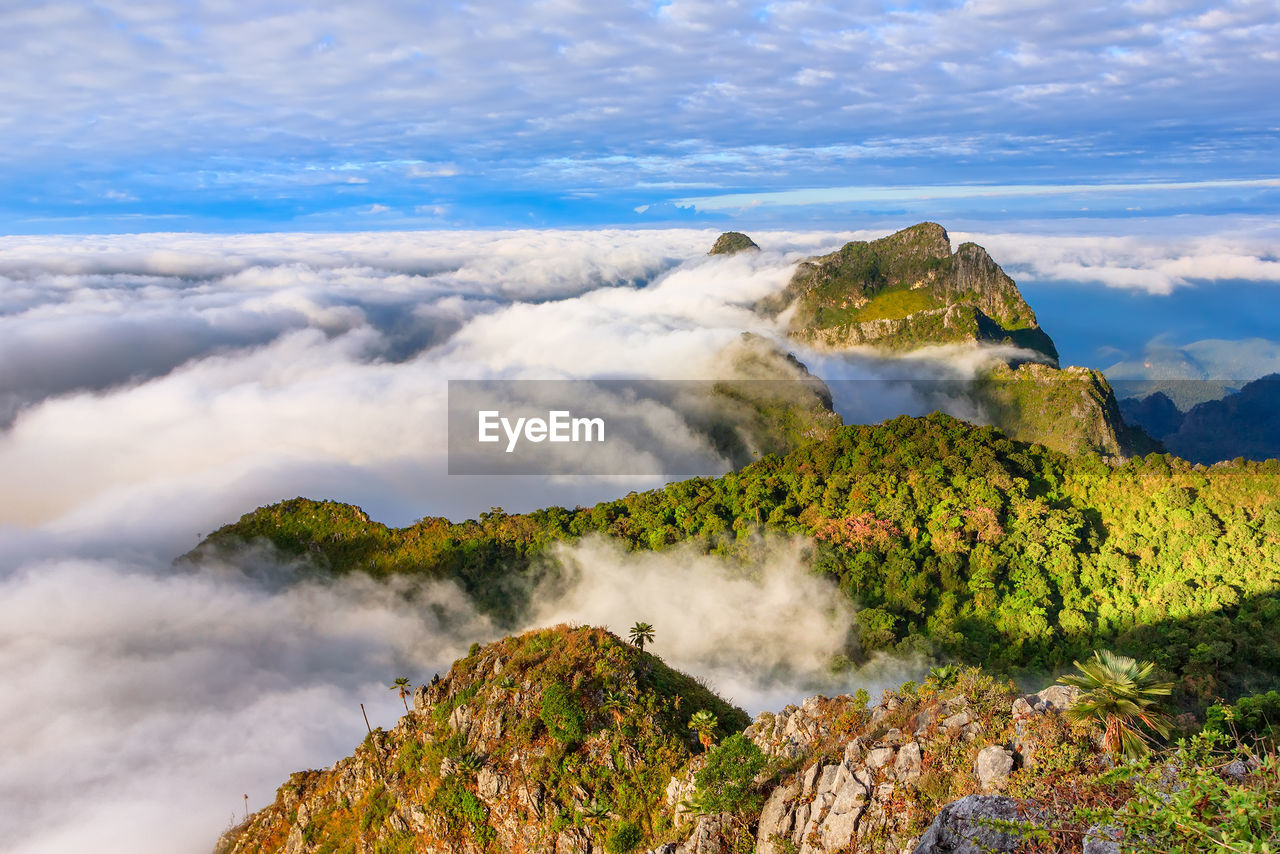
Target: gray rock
{"x": 1236, "y": 770}
{"x": 962, "y": 827}
{"x": 777, "y": 818}
{"x": 1058, "y": 697}
{"x": 879, "y": 757}
{"x": 993, "y": 767}
{"x": 1102, "y": 839}
{"x": 960, "y": 719}
{"x": 908, "y": 764}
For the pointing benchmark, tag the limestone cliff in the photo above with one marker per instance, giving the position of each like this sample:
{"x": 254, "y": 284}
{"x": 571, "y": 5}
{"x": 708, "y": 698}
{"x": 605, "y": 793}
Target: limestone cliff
{"x": 905, "y": 291}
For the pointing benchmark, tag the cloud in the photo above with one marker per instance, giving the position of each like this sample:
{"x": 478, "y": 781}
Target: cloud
{"x": 141, "y": 703}
{"x": 1155, "y": 263}
{"x": 762, "y": 629}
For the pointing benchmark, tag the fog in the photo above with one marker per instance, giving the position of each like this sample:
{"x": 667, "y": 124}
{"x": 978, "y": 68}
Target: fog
{"x": 155, "y": 387}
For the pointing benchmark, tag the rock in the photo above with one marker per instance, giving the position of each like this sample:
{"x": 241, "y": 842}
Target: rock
{"x": 1235, "y": 770}
{"x": 879, "y": 757}
{"x": 960, "y": 828}
{"x": 708, "y": 836}
{"x": 908, "y": 764}
{"x": 958, "y": 720}
{"x": 777, "y": 819}
{"x": 1102, "y": 839}
{"x": 1058, "y": 697}
{"x": 1022, "y": 708}
{"x": 993, "y": 767}
{"x": 490, "y": 784}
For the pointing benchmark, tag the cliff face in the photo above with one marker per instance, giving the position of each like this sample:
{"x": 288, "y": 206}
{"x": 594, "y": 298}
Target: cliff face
{"x": 1072, "y": 410}
{"x": 906, "y": 291}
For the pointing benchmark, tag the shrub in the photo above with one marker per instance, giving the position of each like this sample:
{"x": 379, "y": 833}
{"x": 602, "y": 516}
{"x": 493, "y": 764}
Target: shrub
{"x": 561, "y": 715}
{"x": 727, "y": 783}
{"x": 625, "y": 838}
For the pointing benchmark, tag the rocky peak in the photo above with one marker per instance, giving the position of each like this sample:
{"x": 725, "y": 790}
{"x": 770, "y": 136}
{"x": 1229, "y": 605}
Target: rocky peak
{"x": 555, "y": 740}
{"x": 733, "y": 242}
{"x": 905, "y": 291}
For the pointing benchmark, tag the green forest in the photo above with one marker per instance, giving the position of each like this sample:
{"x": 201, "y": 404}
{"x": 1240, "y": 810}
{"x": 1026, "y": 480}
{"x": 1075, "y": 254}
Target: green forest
{"x": 953, "y": 541}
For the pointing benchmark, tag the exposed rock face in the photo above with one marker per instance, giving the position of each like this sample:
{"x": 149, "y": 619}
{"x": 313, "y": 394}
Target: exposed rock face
{"x": 962, "y": 827}
{"x": 1072, "y": 410}
{"x": 908, "y": 290}
{"x": 733, "y": 242}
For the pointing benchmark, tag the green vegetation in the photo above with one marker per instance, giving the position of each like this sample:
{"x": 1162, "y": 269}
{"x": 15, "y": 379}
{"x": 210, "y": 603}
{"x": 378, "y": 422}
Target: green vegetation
{"x": 569, "y": 728}
{"x": 1181, "y": 801}
{"x": 402, "y": 685}
{"x": 704, "y": 724}
{"x": 956, "y": 542}
{"x": 1252, "y": 719}
{"x": 1121, "y": 694}
{"x": 908, "y": 277}
{"x": 732, "y": 242}
{"x": 727, "y": 782}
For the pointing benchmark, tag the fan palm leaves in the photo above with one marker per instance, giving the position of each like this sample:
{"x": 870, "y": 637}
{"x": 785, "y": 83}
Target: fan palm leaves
{"x": 402, "y": 685}
{"x": 704, "y": 723}
{"x": 1121, "y": 694}
{"x": 641, "y": 634}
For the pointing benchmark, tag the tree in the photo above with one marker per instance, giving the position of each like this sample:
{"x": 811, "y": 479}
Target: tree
{"x": 1120, "y": 694}
{"x": 402, "y": 685}
{"x": 641, "y": 634}
{"x": 704, "y": 724}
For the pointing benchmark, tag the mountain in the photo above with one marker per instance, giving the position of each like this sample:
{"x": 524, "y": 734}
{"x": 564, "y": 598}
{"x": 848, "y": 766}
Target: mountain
{"x": 568, "y": 741}
{"x": 954, "y": 542}
{"x": 733, "y": 242}
{"x": 906, "y": 291}
{"x": 909, "y": 290}
{"x": 1072, "y": 410}
{"x": 1244, "y": 424}
{"x": 555, "y": 740}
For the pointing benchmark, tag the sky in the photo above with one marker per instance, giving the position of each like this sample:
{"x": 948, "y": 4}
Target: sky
{"x": 154, "y": 115}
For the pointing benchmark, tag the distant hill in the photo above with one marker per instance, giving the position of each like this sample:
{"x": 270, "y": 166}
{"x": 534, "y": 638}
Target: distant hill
{"x": 1242, "y": 424}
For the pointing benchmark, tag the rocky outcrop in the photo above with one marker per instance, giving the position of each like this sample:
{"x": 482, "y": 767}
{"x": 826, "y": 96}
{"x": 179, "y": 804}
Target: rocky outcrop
{"x": 1072, "y": 410}
{"x": 968, "y": 826}
{"x": 733, "y": 242}
{"x": 905, "y": 291}
{"x": 520, "y": 748}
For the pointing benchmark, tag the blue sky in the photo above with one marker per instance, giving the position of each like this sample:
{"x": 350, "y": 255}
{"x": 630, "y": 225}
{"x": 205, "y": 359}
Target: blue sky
{"x": 204, "y": 115}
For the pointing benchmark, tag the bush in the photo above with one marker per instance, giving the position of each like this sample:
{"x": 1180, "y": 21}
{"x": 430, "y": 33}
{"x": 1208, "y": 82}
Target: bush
{"x": 727, "y": 783}
{"x": 1255, "y": 718}
{"x": 625, "y": 838}
{"x": 561, "y": 715}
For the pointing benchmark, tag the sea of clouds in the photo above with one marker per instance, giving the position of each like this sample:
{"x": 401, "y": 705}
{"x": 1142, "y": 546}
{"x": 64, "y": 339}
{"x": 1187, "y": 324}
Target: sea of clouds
{"x": 155, "y": 387}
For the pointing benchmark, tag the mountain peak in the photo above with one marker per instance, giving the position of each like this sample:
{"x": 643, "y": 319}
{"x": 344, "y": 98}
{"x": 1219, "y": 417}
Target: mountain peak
{"x": 733, "y": 242}
{"x": 908, "y": 290}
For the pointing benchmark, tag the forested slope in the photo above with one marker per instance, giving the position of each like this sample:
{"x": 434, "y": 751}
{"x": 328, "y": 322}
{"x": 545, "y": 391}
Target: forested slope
{"x": 953, "y": 540}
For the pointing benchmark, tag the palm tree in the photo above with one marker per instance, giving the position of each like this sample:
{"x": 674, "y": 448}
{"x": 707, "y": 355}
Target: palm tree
{"x": 1120, "y": 693}
{"x": 704, "y": 724}
{"x": 641, "y": 634}
{"x": 402, "y": 685}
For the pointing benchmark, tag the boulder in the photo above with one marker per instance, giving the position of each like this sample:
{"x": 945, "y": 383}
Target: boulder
{"x": 993, "y": 767}
{"x": 963, "y": 827}
{"x": 1102, "y": 839}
